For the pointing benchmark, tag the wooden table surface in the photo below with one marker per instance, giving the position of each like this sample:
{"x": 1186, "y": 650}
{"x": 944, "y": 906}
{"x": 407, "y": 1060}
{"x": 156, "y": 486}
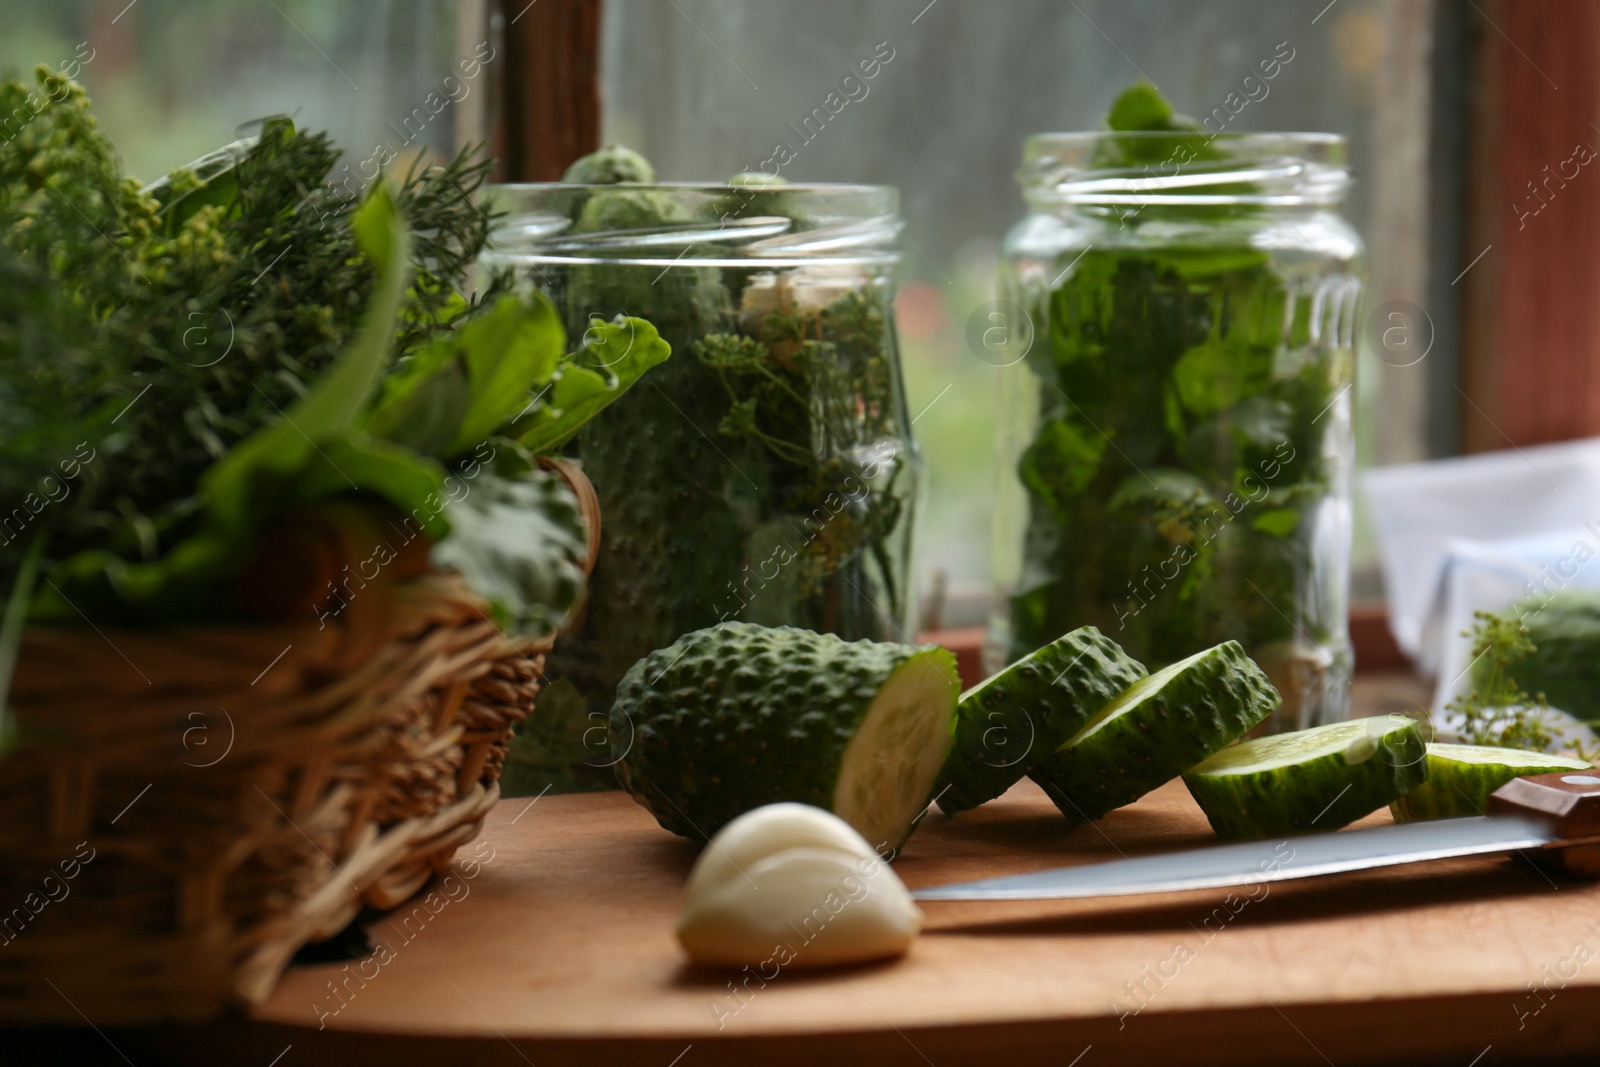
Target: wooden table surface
{"x": 559, "y": 950}
{"x": 551, "y": 943}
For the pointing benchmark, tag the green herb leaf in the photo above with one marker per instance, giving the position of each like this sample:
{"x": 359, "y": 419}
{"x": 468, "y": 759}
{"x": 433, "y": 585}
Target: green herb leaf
{"x": 1063, "y": 460}
{"x": 518, "y": 540}
{"x": 331, "y": 410}
{"x": 613, "y": 356}
{"x": 465, "y": 385}
{"x": 411, "y": 482}
{"x": 1279, "y": 522}
{"x": 1496, "y": 710}
{"x": 1215, "y": 375}
{"x": 280, "y": 466}
{"x": 1140, "y": 107}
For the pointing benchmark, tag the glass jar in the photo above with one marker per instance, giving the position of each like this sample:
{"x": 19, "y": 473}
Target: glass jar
{"x": 766, "y": 471}
{"x": 1178, "y": 446}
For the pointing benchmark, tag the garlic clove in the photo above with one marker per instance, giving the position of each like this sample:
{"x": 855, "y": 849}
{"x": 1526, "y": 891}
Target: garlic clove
{"x": 801, "y": 907}
{"x": 767, "y": 830}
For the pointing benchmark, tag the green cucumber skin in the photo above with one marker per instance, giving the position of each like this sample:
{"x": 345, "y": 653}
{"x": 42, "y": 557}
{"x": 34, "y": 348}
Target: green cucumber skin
{"x": 1423, "y": 802}
{"x": 1193, "y": 715}
{"x": 735, "y": 716}
{"x": 1028, "y": 711}
{"x": 1325, "y": 793}
{"x": 1454, "y": 789}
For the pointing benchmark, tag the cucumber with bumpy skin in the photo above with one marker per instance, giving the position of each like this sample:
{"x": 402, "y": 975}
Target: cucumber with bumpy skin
{"x": 1156, "y": 729}
{"x": 1461, "y": 777}
{"x": 735, "y": 716}
{"x": 1003, "y": 725}
{"x": 614, "y": 164}
{"x": 1309, "y": 780}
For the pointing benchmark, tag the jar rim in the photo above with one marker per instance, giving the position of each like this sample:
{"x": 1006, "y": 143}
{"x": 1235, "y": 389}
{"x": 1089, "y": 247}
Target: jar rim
{"x": 714, "y": 223}
{"x": 1184, "y": 168}
{"x": 1240, "y": 136}
{"x": 882, "y": 199}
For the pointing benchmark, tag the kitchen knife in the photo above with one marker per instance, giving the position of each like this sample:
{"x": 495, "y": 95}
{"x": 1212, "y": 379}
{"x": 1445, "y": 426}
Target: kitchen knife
{"x": 1555, "y": 812}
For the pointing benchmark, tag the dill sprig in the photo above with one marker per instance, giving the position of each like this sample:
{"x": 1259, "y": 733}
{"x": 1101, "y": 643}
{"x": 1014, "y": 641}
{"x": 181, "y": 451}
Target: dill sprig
{"x": 1495, "y": 709}
{"x": 815, "y": 390}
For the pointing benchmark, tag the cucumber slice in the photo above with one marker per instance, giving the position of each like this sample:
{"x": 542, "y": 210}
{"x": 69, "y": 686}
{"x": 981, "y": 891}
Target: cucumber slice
{"x": 1154, "y": 730}
{"x": 1006, "y": 723}
{"x": 1319, "y": 779}
{"x": 1461, "y": 777}
{"x": 730, "y": 718}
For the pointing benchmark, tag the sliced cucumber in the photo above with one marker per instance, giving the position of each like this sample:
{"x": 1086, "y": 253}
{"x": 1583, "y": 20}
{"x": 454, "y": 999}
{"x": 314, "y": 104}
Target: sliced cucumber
{"x": 730, "y": 718}
{"x": 1154, "y": 730}
{"x": 1028, "y": 710}
{"x": 888, "y": 770}
{"x": 1310, "y": 780}
{"x": 1461, "y": 777}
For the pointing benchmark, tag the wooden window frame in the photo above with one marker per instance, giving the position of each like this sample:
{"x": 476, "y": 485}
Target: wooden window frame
{"x": 546, "y": 109}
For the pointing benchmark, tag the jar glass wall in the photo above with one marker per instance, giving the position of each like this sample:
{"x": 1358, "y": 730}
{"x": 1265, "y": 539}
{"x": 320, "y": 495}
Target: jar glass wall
{"x": 766, "y": 471}
{"x": 1178, "y": 445}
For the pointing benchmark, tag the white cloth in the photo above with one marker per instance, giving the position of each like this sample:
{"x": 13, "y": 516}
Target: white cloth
{"x": 1477, "y": 533}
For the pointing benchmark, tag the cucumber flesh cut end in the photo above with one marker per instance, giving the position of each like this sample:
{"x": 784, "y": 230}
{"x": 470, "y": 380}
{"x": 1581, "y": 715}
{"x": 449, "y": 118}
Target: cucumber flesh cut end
{"x": 1155, "y": 729}
{"x": 1132, "y": 697}
{"x": 1354, "y": 738}
{"x": 1311, "y": 780}
{"x": 1490, "y": 755}
{"x": 889, "y": 768}
{"x": 1461, "y": 777}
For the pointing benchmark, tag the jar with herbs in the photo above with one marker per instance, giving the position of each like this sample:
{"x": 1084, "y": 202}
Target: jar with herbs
{"x": 765, "y": 472}
{"x": 1178, "y": 446}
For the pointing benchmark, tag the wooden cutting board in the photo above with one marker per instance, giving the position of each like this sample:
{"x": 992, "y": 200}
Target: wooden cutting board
{"x": 558, "y": 949}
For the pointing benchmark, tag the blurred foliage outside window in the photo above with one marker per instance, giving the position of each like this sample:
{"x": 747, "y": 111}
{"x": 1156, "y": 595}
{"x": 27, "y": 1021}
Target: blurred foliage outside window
{"x": 173, "y": 79}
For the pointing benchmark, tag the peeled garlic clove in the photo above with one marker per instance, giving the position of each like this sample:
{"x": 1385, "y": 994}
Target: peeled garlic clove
{"x": 767, "y": 830}
{"x": 801, "y": 907}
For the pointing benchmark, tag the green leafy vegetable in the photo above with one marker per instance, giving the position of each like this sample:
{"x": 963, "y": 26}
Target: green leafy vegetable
{"x": 170, "y": 467}
{"x": 210, "y": 181}
{"x": 1562, "y": 662}
{"x": 155, "y": 328}
{"x": 269, "y": 472}
{"x": 614, "y": 355}
{"x": 495, "y": 525}
{"x": 1179, "y": 468}
{"x": 466, "y": 385}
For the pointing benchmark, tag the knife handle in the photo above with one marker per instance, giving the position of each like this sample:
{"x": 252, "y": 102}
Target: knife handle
{"x": 1570, "y": 802}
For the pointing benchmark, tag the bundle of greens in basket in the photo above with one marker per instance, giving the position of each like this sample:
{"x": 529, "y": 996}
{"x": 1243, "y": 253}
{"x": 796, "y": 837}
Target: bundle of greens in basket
{"x": 202, "y": 376}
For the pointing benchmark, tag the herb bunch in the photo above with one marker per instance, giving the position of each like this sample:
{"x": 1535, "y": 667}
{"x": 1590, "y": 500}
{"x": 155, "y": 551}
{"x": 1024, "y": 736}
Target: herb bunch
{"x": 814, "y": 389}
{"x": 1495, "y": 710}
{"x": 164, "y": 324}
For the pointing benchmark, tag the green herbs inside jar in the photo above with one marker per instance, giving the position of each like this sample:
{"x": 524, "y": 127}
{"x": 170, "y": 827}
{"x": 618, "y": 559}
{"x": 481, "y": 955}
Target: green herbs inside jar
{"x": 766, "y": 472}
{"x": 1180, "y": 428}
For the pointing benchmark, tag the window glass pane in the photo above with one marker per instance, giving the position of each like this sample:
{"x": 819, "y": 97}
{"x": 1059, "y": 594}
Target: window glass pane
{"x": 710, "y": 87}
{"x": 173, "y": 79}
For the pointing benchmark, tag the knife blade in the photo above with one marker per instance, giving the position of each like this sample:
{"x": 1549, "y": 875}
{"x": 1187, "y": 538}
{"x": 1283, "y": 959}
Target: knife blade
{"x": 1552, "y": 811}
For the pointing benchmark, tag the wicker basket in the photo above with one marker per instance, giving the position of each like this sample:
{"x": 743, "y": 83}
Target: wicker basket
{"x": 198, "y": 804}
